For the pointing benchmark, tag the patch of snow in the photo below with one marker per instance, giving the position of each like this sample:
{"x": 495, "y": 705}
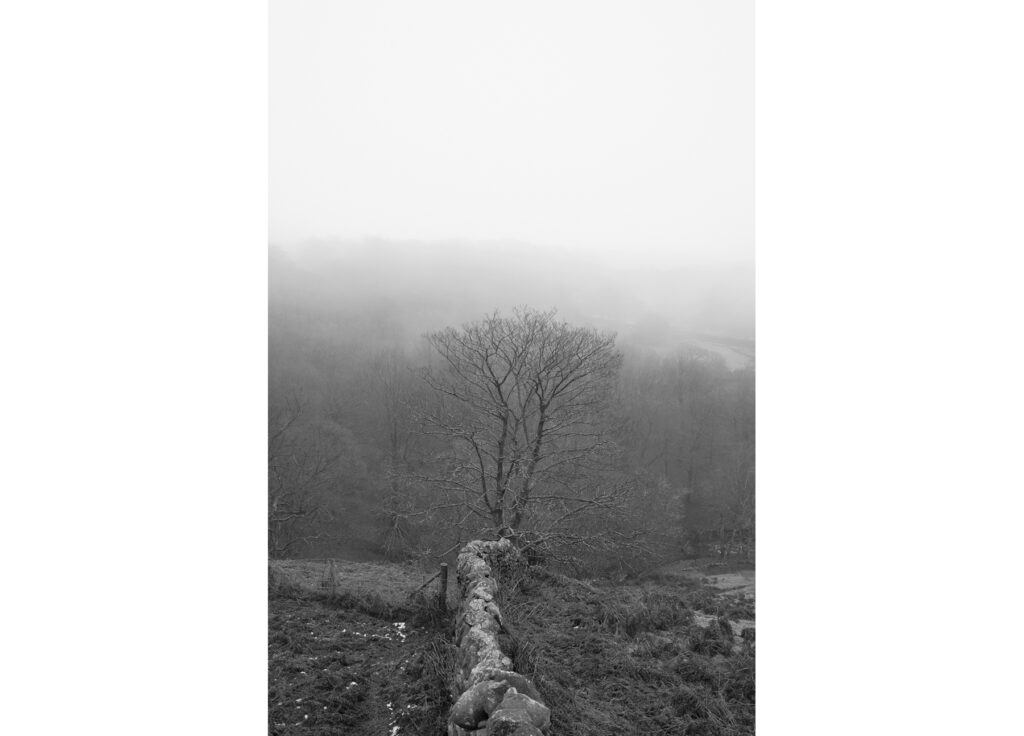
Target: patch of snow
{"x": 394, "y": 727}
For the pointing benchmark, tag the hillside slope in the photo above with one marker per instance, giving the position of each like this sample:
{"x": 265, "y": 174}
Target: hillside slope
{"x": 671, "y": 654}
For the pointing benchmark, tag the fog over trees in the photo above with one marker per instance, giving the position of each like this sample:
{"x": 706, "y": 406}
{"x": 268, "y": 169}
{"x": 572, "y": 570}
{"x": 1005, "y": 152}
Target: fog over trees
{"x": 426, "y": 393}
{"x": 511, "y": 307}
{"x": 511, "y": 277}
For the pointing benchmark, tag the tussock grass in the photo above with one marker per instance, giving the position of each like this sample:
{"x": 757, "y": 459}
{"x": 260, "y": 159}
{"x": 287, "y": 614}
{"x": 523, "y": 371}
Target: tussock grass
{"x": 722, "y": 604}
{"x": 654, "y": 646}
{"x": 392, "y": 582}
{"x": 372, "y": 604}
{"x": 712, "y": 640}
{"x": 431, "y": 671}
{"x": 282, "y": 585}
{"x": 420, "y": 609}
{"x": 633, "y": 658}
{"x": 651, "y": 610}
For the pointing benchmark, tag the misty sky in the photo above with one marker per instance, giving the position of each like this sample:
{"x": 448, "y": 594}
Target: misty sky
{"x": 620, "y": 127}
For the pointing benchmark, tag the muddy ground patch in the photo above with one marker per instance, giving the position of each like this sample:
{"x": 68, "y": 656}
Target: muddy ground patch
{"x": 347, "y": 665}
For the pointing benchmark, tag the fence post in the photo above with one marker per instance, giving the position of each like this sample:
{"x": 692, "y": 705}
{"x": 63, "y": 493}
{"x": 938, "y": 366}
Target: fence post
{"x": 442, "y": 596}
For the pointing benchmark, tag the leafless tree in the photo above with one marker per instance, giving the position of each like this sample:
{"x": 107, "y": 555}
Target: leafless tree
{"x": 299, "y": 471}
{"x": 522, "y": 403}
{"x": 389, "y": 376}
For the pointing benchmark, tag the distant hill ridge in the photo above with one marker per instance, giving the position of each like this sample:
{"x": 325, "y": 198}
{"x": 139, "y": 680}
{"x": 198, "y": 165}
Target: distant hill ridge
{"x": 427, "y": 285}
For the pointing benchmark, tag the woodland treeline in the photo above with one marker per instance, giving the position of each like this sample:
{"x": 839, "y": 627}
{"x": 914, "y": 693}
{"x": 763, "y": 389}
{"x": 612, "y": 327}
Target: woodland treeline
{"x": 581, "y": 445}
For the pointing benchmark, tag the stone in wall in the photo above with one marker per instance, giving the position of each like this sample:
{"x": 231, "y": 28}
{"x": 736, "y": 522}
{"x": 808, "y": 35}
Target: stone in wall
{"x": 491, "y": 697}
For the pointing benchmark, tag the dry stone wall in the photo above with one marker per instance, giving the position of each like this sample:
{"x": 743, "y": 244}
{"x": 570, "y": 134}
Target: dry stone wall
{"x": 490, "y": 697}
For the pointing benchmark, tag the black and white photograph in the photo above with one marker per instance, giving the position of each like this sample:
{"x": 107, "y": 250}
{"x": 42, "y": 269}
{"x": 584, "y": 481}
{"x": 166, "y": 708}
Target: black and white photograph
{"x": 551, "y": 368}
{"x": 511, "y": 368}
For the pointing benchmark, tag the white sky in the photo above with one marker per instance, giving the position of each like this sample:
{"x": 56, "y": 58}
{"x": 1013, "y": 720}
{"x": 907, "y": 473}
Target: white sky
{"x": 625, "y": 127}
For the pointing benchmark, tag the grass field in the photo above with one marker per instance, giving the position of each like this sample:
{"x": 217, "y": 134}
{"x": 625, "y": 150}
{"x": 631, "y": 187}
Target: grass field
{"x": 654, "y": 657}
{"x": 361, "y": 658}
{"x": 673, "y": 654}
{"x": 391, "y": 581}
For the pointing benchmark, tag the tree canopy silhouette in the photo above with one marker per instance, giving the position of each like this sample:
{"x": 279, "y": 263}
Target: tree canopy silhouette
{"x": 523, "y": 401}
